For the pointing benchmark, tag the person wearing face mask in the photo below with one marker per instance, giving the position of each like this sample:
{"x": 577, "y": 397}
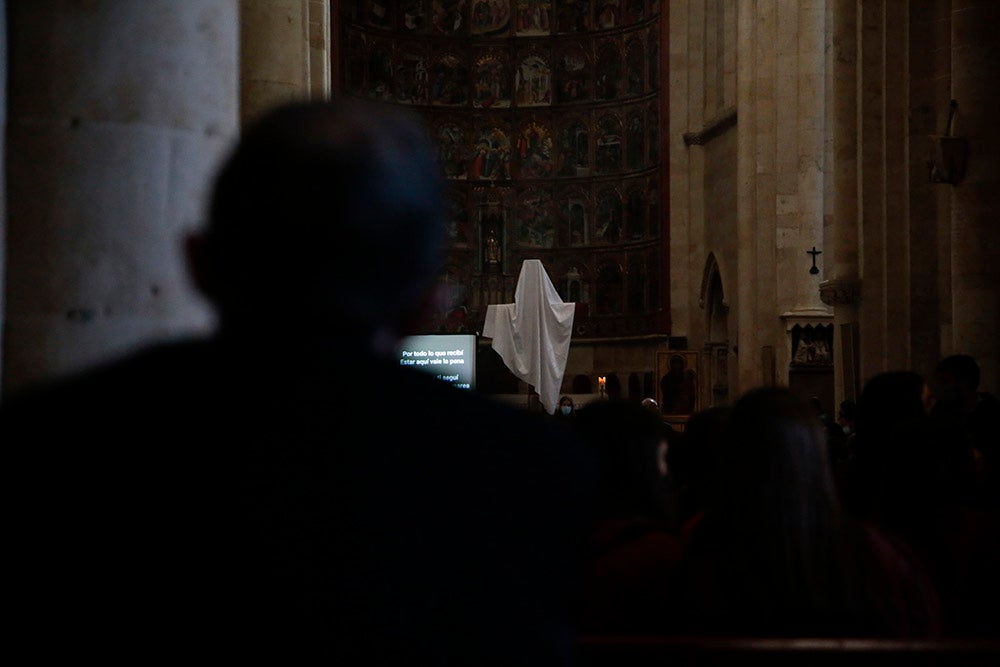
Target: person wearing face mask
{"x": 567, "y": 409}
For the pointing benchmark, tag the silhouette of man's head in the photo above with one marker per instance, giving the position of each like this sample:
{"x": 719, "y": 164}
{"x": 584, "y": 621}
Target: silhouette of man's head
{"x": 958, "y": 370}
{"x": 677, "y": 363}
{"x": 327, "y": 219}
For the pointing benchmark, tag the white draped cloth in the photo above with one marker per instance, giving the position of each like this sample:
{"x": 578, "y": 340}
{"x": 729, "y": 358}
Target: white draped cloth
{"x": 532, "y": 334}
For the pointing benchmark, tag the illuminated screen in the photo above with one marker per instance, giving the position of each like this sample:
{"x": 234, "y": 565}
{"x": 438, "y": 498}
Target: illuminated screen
{"x": 450, "y": 358}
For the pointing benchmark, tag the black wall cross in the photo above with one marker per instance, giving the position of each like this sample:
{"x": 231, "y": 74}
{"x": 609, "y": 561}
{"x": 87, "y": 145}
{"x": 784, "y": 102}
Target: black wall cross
{"x": 814, "y": 252}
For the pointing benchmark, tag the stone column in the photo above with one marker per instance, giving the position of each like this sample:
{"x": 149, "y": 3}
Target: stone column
{"x": 3, "y": 161}
{"x": 929, "y": 209}
{"x": 767, "y": 162}
{"x": 685, "y": 115}
{"x": 975, "y": 228}
{"x": 896, "y": 248}
{"x": 810, "y": 125}
{"x": 749, "y": 357}
{"x": 284, "y": 53}
{"x": 872, "y": 183}
{"x": 119, "y": 112}
{"x": 840, "y": 289}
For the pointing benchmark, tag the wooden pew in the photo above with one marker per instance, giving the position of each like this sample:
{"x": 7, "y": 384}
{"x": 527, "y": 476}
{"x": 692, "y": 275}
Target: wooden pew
{"x": 600, "y": 651}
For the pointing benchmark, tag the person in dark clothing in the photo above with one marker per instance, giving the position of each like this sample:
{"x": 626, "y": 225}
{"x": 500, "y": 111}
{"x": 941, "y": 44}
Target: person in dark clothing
{"x": 633, "y": 548}
{"x": 975, "y": 415}
{"x": 912, "y": 474}
{"x": 245, "y": 496}
{"x": 773, "y": 555}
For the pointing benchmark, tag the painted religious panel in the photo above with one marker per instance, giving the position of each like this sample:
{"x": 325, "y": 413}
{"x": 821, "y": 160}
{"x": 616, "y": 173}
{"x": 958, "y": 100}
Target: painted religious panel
{"x": 459, "y": 227}
{"x": 654, "y": 284}
{"x": 608, "y": 149}
{"x": 413, "y": 16}
{"x": 489, "y": 18}
{"x": 535, "y": 150}
{"x": 446, "y": 16}
{"x": 677, "y": 382}
{"x": 653, "y": 205}
{"x": 572, "y": 74}
{"x": 380, "y": 13}
{"x": 449, "y": 81}
{"x": 635, "y": 11}
{"x": 354, "y": 72}
{"x": 455, "y": 285}
{"x": 536, "y": 227}
{"x": 635, "y": 136}
{"x": 607, "y": 14}
{"x": 653, "y": 114}
{"x": 607, "y": 72}
{"x": 532, "y": 18}
{"x": 491, "y": 217}
{"x": 610, "y": 289}
{"x": 635, "y": 211}
{"x": 351, "y": 9}
{"x": 608, "y": 222}
{"x": 637, "y": 280}
{"x": 533, "y": 81}
{"x": 653, "y": 65}
{"x": 491, "y": 80}
{"x": 574, "y": 288}
{"x": 574, "y": 149}
{"x": 380, "y": 71}
{"x": 635, "y": 77}
{"x": 412, "y": 77}
{"x": 490, "y": 154}
{"x": 452, "y": 149}
{"x": 572, "y": 16}
{"x": 575, "y": 212}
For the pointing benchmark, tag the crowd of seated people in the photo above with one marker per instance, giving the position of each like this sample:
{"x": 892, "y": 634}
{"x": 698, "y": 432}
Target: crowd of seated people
{"x": 767, "y": 532}
{"x": 268, "y": 511}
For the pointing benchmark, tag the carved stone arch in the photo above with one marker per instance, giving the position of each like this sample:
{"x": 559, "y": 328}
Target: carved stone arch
{"x": 707, "y": 275}
{"x": 713, "y": 300}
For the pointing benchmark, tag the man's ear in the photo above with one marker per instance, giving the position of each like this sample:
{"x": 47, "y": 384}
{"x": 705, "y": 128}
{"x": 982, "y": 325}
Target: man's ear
{"x": 199, "y": 268}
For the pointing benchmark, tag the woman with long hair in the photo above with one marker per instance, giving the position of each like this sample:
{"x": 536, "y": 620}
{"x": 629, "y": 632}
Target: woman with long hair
{"x": 772, "y": 554}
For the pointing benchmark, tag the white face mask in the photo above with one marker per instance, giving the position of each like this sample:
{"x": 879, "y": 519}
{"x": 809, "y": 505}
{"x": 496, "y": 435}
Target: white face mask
{"x": 566, "y": 409}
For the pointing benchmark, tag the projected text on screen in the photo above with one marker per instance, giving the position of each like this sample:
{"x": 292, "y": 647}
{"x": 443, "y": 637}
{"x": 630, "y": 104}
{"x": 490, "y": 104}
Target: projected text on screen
{"x": 450, "y": 358}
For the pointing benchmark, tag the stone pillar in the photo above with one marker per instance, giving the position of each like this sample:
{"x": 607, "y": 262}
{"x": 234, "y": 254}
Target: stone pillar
{"x": 929, "y": 208}
{"x": 764, "y": 131}
{"x": 896, "y": 248}
{"x": 684, "y": 116}
{"x": 119, "y": 112}
{"x": 975, "y": 232}
{"x": 799, "y": 147}
{"x": 810, "y": 126}
{"x": 841, "y": 287}
{"x": 749, "y": 359}
{"x": 871, "y": 103}
{"x": 284, "y": 53}
{"x": 3, "y": 160}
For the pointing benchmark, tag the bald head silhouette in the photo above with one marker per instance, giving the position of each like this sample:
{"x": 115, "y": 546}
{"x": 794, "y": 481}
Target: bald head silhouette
{"x": 327, "y": 218}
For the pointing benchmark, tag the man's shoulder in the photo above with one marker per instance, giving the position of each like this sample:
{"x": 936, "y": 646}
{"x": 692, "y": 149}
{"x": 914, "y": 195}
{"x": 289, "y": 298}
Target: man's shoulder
{"x": 138, "y": 378}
